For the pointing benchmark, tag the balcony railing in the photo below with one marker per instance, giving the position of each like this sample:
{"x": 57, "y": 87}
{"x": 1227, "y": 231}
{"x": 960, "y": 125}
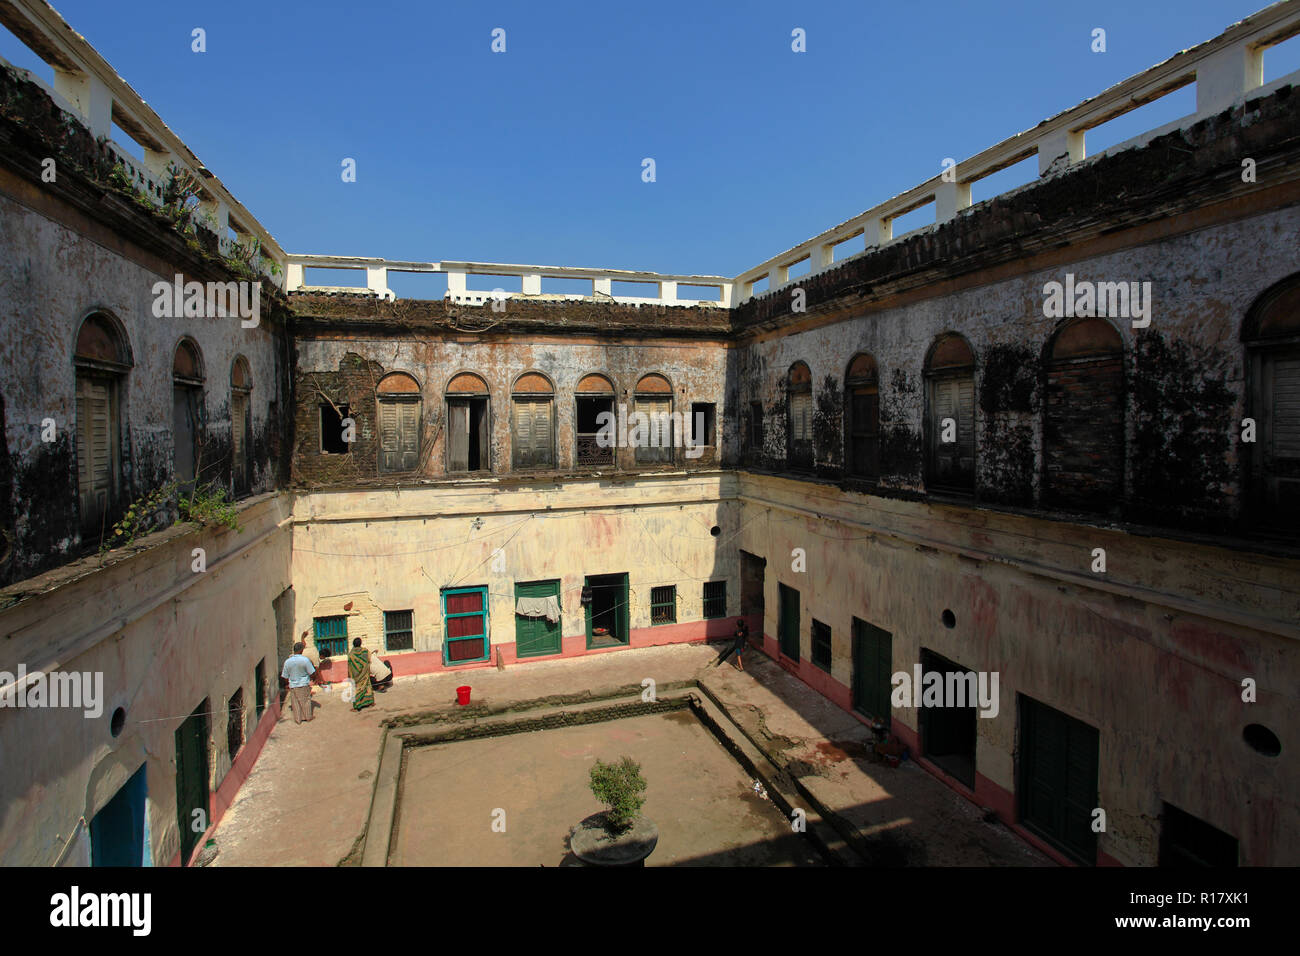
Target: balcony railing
{"x": 591, "y": 453}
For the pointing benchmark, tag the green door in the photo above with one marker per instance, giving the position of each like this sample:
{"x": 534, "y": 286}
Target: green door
{"x": 536, "y": 636}
{"x": 192, "y": 779}
{"x": 1058, "y": 778}
{"x": 873, "y": 658}
{"x": 789, "y": 621}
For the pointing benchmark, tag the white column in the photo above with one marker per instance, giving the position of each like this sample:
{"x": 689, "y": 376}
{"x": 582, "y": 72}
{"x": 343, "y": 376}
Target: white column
{"x": 531, "y": 285}
{"x": 823, "y": 256}
{"x": 950, "y": 199}
{"x": 292, "y": 276}
{"x": 91, "y": 98}
{"x": 1224, "y": 77}
{"x": 601, "y": 286}
{"x": 877, "y": 232}
{"x": 377, "y": 281}
{"x": 668, "y": 292}
{"x": 1060, "y": 143}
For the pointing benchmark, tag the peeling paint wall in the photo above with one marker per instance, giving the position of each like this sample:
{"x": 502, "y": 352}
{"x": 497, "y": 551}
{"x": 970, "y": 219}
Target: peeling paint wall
{"x": 165, "y": 639}
{"x": 51, "y": 277}
{"x": 347, "y": 369}
{"x": 1152, "y": 653}
{"x": 397, "y": 550}
{"x": 1184, "y": 373}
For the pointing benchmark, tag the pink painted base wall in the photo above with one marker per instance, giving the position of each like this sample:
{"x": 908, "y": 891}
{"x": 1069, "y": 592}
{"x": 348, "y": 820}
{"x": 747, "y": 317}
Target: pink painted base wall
{"x": 220, "y": 800}
{"x": 987, "y": 794}
{"x": 430, "y": 662}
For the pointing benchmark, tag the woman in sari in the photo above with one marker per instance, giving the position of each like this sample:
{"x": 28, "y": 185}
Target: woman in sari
{"x": 363, "y": 695}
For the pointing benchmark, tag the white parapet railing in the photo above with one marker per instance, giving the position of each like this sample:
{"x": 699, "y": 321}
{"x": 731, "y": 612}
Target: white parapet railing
{"x": 1225, "y": 70}
{"x": 87, "y": 87}
{"x": 662, "y": 289}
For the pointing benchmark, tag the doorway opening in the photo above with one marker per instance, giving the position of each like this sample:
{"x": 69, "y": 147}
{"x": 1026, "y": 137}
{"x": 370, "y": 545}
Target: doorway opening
{"x": 948, "y": 733}
{"x": 1188, "y": 841}
{"x": 607, "y": 617}
{"x": 117, "y": 832}
{"x": 467, "y": 435}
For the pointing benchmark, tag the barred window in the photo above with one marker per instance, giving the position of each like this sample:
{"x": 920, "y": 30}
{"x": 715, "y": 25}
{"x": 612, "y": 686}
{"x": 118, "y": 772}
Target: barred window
{"x": 663, "y": 605}
{"x": 399, "y": 632}
{"x": 821, "y": 645}
{"x": 332, "y": 635}
{"x": 715, "y": 599}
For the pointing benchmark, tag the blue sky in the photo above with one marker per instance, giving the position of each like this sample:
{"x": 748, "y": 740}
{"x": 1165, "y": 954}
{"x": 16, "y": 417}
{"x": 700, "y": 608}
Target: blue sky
{"x": 535, "y": 155}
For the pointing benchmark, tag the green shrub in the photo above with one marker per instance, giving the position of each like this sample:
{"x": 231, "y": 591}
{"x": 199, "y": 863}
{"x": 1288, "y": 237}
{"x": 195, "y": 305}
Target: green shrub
{"x": 620, "y": 787}
{"x": 209, "y": 505}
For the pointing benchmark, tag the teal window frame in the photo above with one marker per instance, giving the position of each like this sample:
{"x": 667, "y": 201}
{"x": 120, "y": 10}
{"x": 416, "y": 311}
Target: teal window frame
{"x": 485, "y": 638}
{"x": 327, "y": 629}
{"x": 658, "y": 606}
{"x": 388, "y": 631}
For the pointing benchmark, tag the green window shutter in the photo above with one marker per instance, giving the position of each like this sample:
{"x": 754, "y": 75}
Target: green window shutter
{"x": 536, "y": 636}
{"x": 1058, "y": 787}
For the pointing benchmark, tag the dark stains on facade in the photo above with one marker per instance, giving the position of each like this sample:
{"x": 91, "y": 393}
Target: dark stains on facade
{"x": 1181, "y": 462}
{"x": 900, "y": 445}
{"x": 1008, "y": 401}
{"x": 828, "y": 428}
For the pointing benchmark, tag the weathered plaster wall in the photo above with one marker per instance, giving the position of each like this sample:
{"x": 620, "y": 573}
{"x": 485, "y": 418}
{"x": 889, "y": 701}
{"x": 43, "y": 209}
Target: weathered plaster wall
{"x": 348, "y": 367}
{"x": 1184, "y": 373}
{"x": 52, "y": 276}
{"x": 396, "y": 550}
{"x": 165, "y": 639}
{"x": 1152, "y": 653}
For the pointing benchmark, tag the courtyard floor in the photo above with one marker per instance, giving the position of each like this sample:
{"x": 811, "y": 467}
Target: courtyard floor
{"x": 307, "y": 799}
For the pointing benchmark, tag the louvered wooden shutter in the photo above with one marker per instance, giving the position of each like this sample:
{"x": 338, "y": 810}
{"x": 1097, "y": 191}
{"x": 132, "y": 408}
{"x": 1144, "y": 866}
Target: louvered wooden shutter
{"x": 1286, "y": 409}
{"x": 542, "y": 440}
{"x": 864, "y": 452}
{"x": 801, "y": 416}
{"x": 523, "y": 450}
{"x": 966, "y": 428}
{"x": 658, "y": 429}
{"x": 238, "y": 436}
{"x": 408, "y": 435}
{"x": 94, "y": 448}
{"x": 953, "y": 397}
{"x": 458, "y": 436}
{"x": 389, "y": 454}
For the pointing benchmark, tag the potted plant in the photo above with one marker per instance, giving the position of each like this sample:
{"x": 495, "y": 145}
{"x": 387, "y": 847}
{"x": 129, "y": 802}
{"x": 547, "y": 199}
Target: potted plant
{"x": 619, "y": 835}
{"x": 619, "y": 786}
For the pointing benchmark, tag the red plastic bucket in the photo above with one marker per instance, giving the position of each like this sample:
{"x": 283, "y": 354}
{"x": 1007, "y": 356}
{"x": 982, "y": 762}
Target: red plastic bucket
{"x": 462, "y": 695}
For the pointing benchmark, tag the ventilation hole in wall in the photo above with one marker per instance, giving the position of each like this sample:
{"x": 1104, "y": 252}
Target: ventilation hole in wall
{"x": 117, "y": 721}
{"x": 949, "y": 619}
{"x": 715, "y": 531}
{"x": 1262, "y": 740}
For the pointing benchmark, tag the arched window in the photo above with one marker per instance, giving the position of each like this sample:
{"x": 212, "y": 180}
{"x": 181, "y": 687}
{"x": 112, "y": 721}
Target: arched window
{"x": 862, "y": 417}
{"x": 950, "y": 415}
{"x": 1272, "y": 336}
{"x": 1083, "y": 417}
{"x": 469, "y": 424}
{"x": 397, "y": 400}
{"x": 187, "y": 407}
{"x": 533, "y": 429}
{"x": 799, "y": 453}
{"x": 654, "y": 399}
{"x": 241, "y": 386}
{"x": 593, "y": 397}
{"x": 102, "y": 358}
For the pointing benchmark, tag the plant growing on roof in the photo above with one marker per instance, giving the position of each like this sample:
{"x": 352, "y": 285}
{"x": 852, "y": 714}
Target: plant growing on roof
{"x": 620, "y": 787}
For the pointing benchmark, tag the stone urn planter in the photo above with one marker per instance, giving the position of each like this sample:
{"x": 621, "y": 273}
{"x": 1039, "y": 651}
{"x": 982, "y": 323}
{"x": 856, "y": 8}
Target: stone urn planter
{"x": 595, "y": 844}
